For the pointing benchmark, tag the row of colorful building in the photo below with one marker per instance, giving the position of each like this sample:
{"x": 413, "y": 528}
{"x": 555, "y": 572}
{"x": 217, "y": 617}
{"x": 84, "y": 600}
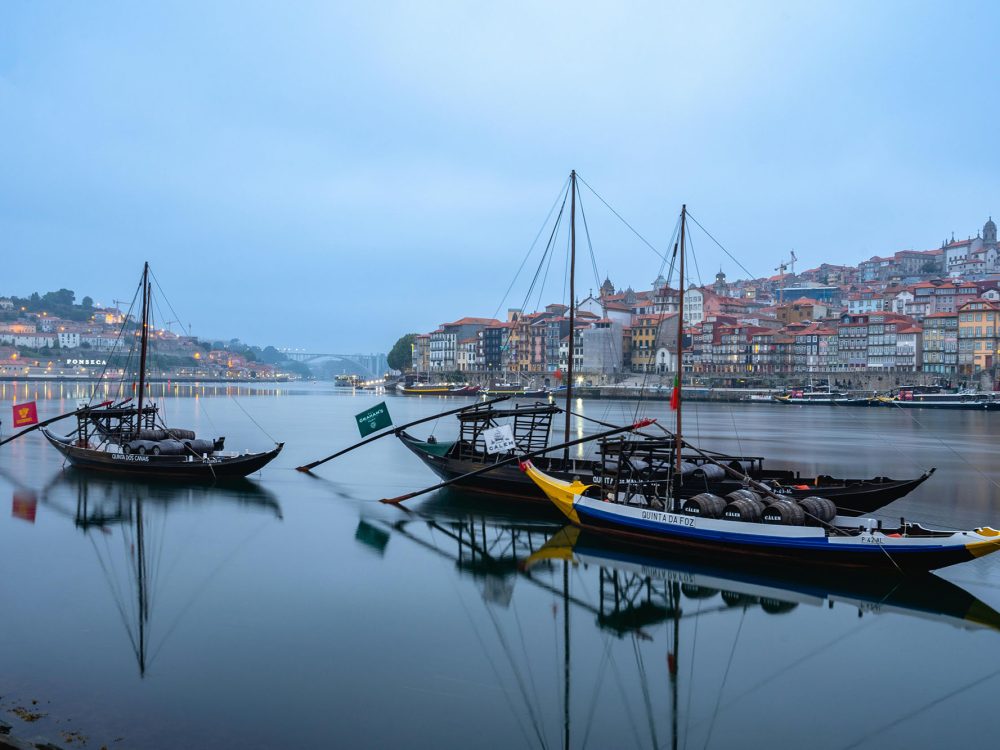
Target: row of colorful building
{"x": 39, "y": 344}
{"x": 934, "y": 311}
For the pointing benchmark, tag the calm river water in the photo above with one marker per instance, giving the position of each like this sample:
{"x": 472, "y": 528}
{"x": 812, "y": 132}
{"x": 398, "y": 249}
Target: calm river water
{"x": 299, "y": 612}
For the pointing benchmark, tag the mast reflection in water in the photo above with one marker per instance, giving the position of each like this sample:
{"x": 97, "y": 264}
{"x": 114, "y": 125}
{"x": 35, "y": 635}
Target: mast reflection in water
{"x": 467, "y": 621}
{"x": 655, "y": 605}
{"x": 137, "y": 513}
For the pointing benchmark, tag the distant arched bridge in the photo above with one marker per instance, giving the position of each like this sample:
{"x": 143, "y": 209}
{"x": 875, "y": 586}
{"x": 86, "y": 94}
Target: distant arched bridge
{"x": 368, "y": 365}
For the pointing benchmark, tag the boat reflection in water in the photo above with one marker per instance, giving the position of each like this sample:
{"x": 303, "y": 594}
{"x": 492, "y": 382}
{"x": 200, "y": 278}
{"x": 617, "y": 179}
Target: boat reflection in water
{"x": 509, "y": 542}
{"x": 648, "y": 641}
{"x": 621, "y": 572}
{"x": 103, "y": 508}
{"x": 99, "y": 496}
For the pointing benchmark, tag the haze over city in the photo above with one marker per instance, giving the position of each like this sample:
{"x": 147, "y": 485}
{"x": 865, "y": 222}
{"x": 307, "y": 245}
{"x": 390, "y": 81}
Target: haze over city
{"x": 353, "y": 173}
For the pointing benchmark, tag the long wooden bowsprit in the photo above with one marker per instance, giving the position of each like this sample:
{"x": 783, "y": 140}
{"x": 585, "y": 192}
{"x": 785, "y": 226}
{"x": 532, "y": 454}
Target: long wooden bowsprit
{"x": 309, "y": 467}
{"x": 505, "y": 462}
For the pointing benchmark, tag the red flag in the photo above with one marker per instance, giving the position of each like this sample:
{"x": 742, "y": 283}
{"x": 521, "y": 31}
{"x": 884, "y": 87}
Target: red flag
{"x": 557, "y": 374}
{"x": 25, "y": 414}
{"x": 675, "y": 395}
{"x": 24, "y": 505}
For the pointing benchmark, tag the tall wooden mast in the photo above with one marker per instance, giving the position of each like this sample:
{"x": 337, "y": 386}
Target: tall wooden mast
{"x": 572, "y": 308}
{"x": 678, "y": 442}
{"x": 144, "y": 342}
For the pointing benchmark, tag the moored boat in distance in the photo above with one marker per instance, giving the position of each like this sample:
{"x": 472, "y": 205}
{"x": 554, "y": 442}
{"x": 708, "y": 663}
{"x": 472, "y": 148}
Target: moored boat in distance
{"x": 424, "y": 389}
{"x": 824, "y": 396}
{"x": 907, "y": 398}
{"x": 465, "y": 390}
{"x": 514, "y": 390}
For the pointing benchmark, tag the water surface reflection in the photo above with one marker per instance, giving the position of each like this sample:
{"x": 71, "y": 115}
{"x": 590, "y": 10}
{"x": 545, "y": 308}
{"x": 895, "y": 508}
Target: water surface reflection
{"x": 657, "y": 651}
{"x": 296, "y": 611}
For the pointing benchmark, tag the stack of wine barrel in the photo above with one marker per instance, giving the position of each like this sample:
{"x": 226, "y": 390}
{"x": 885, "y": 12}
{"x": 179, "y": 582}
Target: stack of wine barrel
{"x": 747, "y": 505}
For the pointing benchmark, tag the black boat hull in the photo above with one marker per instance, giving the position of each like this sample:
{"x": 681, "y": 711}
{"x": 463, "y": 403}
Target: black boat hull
{"x": 854, "y": 497}
{"x": 162, "y": 468}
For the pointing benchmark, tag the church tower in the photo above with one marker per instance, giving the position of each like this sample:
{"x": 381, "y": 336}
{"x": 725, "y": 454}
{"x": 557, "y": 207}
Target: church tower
{"x": 607, "y": 288}
{"x": 989, "y": 233}
{"x": 721, "y": 287}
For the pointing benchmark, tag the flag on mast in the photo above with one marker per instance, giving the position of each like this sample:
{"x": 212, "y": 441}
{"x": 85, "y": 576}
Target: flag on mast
{"x": 675, "y": 395}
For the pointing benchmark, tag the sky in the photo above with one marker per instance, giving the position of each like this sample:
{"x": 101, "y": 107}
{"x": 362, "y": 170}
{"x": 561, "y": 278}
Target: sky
{"x": 329, "y": 176}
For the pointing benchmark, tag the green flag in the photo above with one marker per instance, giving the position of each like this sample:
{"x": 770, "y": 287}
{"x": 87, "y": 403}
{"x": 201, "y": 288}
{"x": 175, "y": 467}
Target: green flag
{"x": 373, "y": 419}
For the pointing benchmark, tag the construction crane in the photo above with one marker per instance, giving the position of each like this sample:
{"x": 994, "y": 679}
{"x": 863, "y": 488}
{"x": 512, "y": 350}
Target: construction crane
{"x": 782, "y": 267}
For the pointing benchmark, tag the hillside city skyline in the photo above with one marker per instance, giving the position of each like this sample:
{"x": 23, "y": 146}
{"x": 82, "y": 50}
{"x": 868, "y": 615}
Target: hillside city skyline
{"x": 910, "y": 311}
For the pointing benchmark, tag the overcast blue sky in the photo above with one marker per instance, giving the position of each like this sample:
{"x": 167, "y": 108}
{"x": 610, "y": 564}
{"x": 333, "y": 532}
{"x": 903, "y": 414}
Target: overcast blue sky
{"x": 329, "y": 176}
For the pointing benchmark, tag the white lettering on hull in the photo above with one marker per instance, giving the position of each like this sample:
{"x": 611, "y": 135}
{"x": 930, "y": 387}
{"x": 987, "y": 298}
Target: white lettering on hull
{"x": 671, "y": 518}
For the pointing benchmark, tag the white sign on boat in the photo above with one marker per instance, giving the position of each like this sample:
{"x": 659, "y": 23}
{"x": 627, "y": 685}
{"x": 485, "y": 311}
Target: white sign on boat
{"x": 499, "y": 439}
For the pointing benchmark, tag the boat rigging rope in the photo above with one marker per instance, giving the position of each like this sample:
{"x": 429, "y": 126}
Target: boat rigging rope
{"x": 533, "y": 718}
{"x": 590, "y": 245}
{"x": 546, "y": 255}
{"x": 566, "y": 274}
{"x": 615, "y": 352}
{"x": 114, "y": 347}
{"x": 177, "y": 318}
{"x": 694, "y": 258}
{"x": 625, "y": 702}
{"x": 252, "y": 419}
{"x": 694, "y": 646}
{"x": 644, "y": 682}
{"x": 531, "y": 248}
{"x": 524, "y": 650}
{"x": 880, "y": 732}
{"x": 545, "y": 276}
{"x": 755, "y": 688}
{"x": 200, "y": 591}
{"x": 962, "y": 458}
{"x": 116, "y": 593}
{"x": 598, "y": 683}
{"x": 622, "y": 220}
{"x": 733, "y": 259}
{"x": 725, "y": 677}
{"x": 736, "y": 432}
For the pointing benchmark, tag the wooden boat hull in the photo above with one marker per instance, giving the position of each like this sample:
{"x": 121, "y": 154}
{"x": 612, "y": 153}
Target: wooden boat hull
{"x": 853, "y": 497}
{"x": 866, "y": 547}
{"x": 162, "y": 468}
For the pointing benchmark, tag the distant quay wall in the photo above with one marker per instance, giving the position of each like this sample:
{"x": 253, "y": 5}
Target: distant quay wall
{"x": 854, "y": 380}
{"x": 158, "y": 379}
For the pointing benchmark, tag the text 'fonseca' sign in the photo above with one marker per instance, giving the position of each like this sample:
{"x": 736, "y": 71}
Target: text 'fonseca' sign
{"x": 86, "y": 362}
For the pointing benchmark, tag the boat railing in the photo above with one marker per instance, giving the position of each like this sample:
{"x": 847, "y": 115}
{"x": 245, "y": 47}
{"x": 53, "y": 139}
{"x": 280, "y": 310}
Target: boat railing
{"x": 530, "y": 427}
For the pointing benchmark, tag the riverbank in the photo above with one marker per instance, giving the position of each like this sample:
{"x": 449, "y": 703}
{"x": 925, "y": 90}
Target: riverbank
{"x": 691, "y": 393}
{"x": 153, "y": 379}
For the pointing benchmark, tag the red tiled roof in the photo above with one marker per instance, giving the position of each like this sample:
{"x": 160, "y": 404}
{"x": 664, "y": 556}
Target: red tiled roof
{"x": 473, "y": 321}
